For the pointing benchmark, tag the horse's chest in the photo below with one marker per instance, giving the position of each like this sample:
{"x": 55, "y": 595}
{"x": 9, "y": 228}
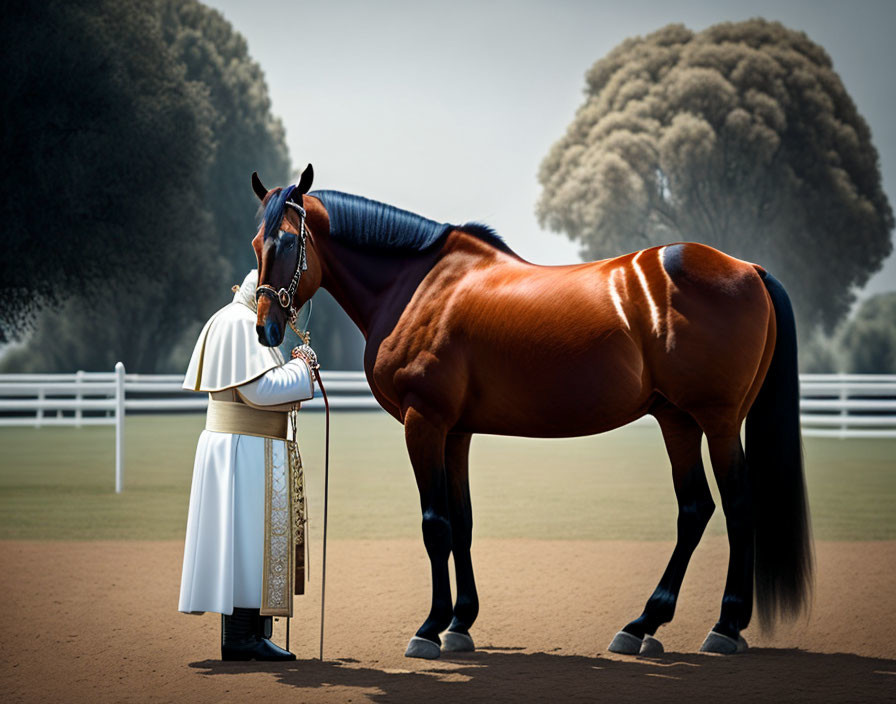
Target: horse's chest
{"x": 409, "y": 360}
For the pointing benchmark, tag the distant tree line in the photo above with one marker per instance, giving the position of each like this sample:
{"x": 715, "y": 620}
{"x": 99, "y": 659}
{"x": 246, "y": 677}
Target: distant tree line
{"x": 868, "y": 342}
{"x": 130, "y": 130}
{"x": 865, "y": 343}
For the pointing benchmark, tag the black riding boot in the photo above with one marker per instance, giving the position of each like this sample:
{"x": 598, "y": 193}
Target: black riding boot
{"x": 245, "y": 636}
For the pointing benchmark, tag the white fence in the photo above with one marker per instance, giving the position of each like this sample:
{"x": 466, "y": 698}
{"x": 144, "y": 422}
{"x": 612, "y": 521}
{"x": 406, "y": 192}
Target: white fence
{"x": 91, "y": 398}
{"x": 832, "y": 405}
{"x": 104, "y": 398}
{"x": 848, "y": 405}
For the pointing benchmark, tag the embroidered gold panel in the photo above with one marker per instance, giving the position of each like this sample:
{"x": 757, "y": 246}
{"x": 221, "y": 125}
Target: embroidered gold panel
{"x": 277, "y": 582}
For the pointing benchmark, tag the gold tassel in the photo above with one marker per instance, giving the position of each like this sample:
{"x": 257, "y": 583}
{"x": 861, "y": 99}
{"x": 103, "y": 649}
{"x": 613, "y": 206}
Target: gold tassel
{"x": 300, "y": 509}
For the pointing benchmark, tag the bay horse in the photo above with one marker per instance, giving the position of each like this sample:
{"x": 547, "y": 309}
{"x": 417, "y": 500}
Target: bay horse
{"x": 463, "y": 336}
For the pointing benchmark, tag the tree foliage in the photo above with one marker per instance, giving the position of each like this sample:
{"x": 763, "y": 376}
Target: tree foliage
{"x": 130, "y": 130}
{"x": 102, "y": 139}
{"x": 869, "y": 340}
{"x": 741, "y": 136}
{"x": 246, "y": 136}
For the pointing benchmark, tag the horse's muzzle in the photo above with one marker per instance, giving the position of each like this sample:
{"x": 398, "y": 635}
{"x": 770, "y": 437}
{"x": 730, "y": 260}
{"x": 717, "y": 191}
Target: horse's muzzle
{"x": 270, "y": 334}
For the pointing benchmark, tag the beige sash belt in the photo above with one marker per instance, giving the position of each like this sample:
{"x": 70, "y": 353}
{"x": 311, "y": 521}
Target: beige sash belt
{"x": 240, "y": 419}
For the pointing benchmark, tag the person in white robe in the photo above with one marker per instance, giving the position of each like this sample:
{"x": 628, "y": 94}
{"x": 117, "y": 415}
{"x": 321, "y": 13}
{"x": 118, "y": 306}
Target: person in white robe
{"x": 237, "y": 553}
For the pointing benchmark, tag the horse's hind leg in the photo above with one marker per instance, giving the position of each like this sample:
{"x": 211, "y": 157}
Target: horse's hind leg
{"x": 466, "y": 608}
{"x": 730, "y": 468}
{"x": 426, "y": 448}
{"x": 682, "y": 436}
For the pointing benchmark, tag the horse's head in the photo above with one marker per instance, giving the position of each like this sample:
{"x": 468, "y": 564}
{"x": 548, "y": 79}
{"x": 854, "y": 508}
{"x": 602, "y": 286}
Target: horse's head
{"x": 288, "y": 268}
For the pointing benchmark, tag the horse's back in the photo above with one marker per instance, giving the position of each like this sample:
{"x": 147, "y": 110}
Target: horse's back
{"x": 543, "y": 351}
{"x": 510, "y": 347}
{"x": 684, "y": 322}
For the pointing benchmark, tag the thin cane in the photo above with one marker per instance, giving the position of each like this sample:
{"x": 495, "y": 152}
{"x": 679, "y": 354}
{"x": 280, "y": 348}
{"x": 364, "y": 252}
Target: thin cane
{"x": 323, "y": 580}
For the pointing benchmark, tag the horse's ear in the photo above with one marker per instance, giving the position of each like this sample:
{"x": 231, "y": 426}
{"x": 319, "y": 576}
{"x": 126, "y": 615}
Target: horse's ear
{"x": 258, "y": 186}
{"x": 305, "y": 182}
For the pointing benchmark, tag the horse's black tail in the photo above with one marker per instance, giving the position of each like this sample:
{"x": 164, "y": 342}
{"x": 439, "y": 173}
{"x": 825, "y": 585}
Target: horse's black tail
{"x": 782, "y": 531}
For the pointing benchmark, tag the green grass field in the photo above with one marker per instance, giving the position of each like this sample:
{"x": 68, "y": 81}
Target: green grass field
{"x": 58, "y": 483}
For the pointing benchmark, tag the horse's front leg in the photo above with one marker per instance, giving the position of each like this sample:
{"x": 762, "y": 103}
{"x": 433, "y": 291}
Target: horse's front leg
{"x": 426, "y": 447}
{"x": 466, "y": 607}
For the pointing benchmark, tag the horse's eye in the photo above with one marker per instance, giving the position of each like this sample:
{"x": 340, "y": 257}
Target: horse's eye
{"x": 290, "y": 240}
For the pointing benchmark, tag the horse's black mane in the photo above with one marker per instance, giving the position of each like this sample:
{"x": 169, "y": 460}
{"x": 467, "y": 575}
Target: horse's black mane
{"x": 369, "y": 224}
{"x": 486, "y": 234}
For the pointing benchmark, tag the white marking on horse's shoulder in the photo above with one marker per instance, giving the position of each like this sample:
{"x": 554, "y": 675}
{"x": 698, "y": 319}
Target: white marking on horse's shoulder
{"x": 654, "y": 311}
{"x": 616, "y": 298}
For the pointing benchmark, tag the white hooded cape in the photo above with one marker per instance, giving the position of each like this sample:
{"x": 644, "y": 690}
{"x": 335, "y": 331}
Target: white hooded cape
{"x": 224, "y": 546}
{"x": 228, "y": 352}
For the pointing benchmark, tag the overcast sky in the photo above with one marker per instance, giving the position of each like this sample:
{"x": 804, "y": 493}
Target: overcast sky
{"x": 447, "y": 109}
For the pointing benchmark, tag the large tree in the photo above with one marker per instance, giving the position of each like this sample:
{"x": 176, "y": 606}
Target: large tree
{"x": 102, "y": 142}
{"x": 131, "y": 130}
{"x": 741, "y": 136}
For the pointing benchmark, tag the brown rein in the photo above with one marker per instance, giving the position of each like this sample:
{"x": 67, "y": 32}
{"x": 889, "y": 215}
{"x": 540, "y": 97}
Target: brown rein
{"x": 323, "y": 581}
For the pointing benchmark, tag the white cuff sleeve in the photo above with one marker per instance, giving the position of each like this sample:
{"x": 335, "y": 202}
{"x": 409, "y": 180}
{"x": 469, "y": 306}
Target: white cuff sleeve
{"x": 286, "y": 384}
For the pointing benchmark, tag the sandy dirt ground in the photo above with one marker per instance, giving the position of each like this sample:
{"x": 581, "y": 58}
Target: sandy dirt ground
{"x": 97, "y": 622}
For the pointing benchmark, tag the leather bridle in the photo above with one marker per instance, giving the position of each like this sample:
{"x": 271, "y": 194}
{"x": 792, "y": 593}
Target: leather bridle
{"x": 285, "y": 296}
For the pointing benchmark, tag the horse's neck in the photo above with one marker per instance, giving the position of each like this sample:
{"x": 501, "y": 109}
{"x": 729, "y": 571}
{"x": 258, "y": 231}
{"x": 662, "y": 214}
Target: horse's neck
{"x": 372, "y": 288}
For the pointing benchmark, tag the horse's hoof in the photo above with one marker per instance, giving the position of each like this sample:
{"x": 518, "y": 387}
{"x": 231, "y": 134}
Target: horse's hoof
{"x": 724, "y": 645}
{"x": 453, "y": 642}
{"x": 422, "y": 648}
{"x": 651, "y": 647}
{"x": 625, "y": 644}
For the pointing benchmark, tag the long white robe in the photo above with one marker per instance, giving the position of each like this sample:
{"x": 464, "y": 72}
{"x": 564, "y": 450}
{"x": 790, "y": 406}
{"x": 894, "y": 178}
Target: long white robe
{"x": 224, "y": 547}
